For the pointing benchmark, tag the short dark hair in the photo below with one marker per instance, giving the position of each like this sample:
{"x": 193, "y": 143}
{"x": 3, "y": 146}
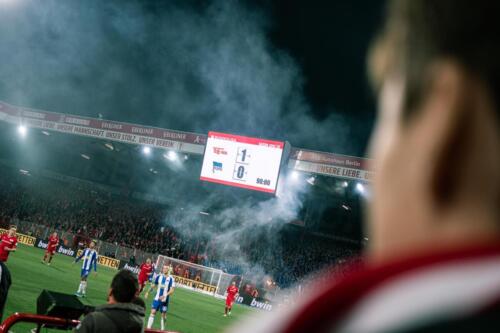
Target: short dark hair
{"x": 418, "y": 32}
{"x": 124, "y": 286}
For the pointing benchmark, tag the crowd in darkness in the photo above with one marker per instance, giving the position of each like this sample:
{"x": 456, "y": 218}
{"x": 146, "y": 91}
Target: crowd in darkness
{"x": 294, "y": 255}
{"x": 119, "y": 220}
{"x": 320, "y": 255}
{"x": 89, "y": 213}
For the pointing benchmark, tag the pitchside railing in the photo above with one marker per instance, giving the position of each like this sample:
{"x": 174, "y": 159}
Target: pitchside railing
{"x": 53, "y": 322}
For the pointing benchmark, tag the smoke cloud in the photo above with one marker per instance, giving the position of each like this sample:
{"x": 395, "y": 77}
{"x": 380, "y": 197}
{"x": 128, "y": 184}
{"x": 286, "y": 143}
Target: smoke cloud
{"x": 188, "y": 67}
{"x": 195, "y": 68}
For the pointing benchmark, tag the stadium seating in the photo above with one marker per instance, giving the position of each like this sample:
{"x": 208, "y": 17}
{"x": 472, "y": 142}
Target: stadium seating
{"x": 92, "y": 214}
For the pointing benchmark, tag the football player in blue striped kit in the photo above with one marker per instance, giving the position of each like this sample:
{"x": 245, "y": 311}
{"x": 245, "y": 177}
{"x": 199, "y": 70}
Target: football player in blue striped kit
{"x": 89, "y": 256}
{"x": 166, "y": 284}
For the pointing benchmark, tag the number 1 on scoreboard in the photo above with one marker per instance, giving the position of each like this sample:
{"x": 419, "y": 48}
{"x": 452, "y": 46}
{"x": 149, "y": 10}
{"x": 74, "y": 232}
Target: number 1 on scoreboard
{"x": 243, "y": 155}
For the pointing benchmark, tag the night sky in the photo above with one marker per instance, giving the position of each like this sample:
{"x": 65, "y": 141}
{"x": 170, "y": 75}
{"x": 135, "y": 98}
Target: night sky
{"x": 330, "y": 39}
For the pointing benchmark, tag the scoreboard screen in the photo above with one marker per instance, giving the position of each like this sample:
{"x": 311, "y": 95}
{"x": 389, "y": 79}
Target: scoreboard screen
{"x": 242, "y": 161}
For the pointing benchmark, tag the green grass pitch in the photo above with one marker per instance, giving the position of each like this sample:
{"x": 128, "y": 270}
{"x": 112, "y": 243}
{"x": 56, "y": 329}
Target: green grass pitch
{"x": 188, "y": 312}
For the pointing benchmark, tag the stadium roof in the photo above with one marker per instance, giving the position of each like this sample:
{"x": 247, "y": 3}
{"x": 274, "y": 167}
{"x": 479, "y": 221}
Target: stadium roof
{"x": 329, "y": 205}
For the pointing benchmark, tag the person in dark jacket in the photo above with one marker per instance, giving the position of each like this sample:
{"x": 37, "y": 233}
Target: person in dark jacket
{"x": 122, "y": 314}
{"x": 5, "y": 281}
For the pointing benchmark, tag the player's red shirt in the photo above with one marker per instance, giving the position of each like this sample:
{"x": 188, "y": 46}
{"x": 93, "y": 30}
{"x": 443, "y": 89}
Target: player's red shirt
{"x": 53, "y": 242}
{"x": 146, "y": 269}
{"x": 7, "y": 242}
{"x": 232, "y": 291}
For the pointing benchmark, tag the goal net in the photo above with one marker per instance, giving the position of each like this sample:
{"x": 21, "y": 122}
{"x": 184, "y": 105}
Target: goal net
{"x": 200, "y": 278}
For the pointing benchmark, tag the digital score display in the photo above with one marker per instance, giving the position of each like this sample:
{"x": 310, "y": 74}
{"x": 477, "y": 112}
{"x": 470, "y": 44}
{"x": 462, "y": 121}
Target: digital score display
{"x": 242, "y": 161}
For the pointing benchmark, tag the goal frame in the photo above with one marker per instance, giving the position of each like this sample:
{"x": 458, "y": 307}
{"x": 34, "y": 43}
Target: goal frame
{"x": 214, "y": 282}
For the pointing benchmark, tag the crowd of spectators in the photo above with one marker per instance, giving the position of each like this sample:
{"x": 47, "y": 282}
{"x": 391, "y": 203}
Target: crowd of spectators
{"x": 320, "y": 255}
{"x": 91, "y": 214}
{"x": 292, "y": 256}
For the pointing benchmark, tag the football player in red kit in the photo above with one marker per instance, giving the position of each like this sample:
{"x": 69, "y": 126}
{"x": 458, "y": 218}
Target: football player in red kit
{"x": 8, "y": 243}
{"x": 145, "y": 273}
{"x": 232, "y": 293}
{"x": 51, "y": 248}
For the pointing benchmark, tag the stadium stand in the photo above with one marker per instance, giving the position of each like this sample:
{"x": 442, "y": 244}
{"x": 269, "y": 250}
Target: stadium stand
{"x": 88, "y": 214}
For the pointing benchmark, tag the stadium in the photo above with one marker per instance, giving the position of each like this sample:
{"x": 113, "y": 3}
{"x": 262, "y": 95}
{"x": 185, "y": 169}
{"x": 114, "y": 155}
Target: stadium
{"x": 210, "y": 166}
{"x": 57, "y": 196}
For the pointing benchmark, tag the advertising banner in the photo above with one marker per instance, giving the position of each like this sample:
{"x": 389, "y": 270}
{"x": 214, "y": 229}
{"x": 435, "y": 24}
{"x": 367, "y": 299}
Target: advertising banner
{"x": 104, "y": 129}
{"x": 133, "y": 268}
{"x": 329, "y": 164}
{"x": 331, "y": 170}
{"x": 350, "y": 162}
{"x": 104, "y": 261}
{"x": 252, "y": 295}
{"x": 258, "y": 303}
{"x": 198, "y": 286}
{"x": 61, "y": 249}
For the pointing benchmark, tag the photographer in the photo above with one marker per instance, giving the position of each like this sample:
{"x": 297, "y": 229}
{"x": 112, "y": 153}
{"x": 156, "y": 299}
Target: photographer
{"x": 122, "y": 314}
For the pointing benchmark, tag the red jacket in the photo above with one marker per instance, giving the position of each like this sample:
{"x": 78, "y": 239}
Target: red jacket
{"x": 437, "y": 291}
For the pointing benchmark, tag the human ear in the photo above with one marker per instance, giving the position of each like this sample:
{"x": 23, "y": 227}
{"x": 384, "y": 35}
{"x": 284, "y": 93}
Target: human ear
{"x": 456, "y": 132}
